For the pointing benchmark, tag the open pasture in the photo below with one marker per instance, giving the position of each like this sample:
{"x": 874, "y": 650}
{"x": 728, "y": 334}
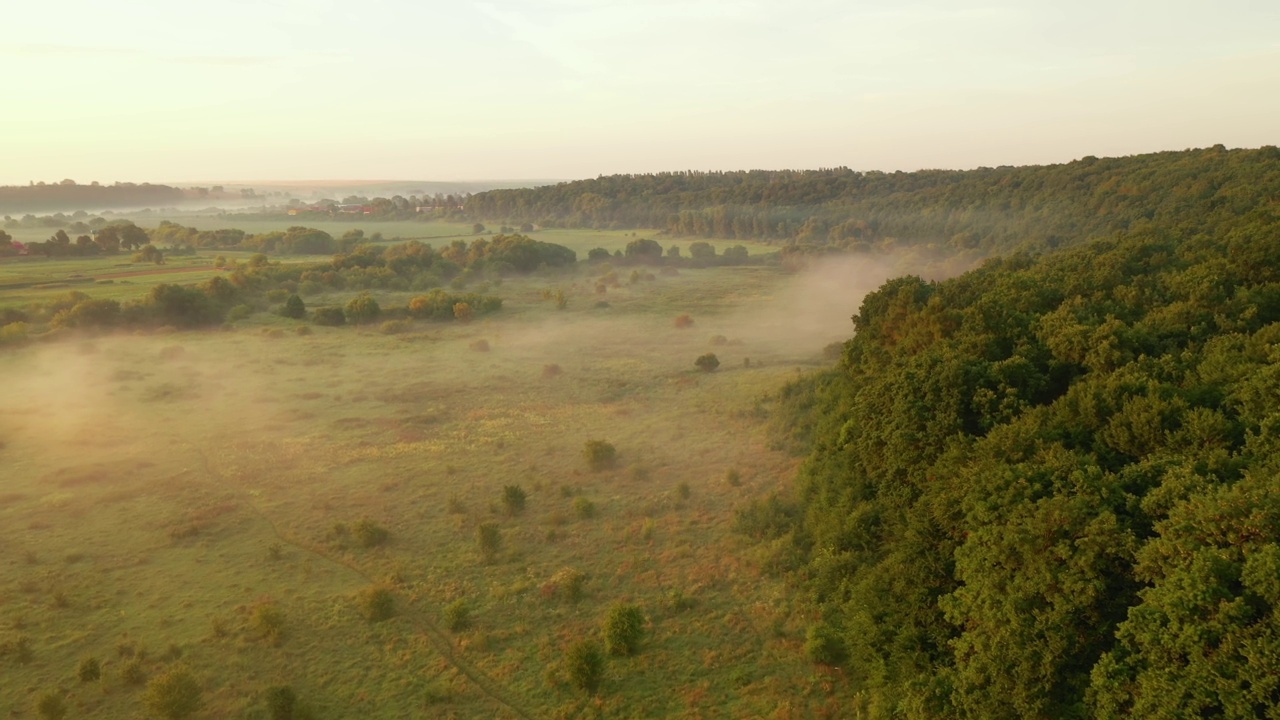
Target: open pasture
{"x": 221, "y": 498}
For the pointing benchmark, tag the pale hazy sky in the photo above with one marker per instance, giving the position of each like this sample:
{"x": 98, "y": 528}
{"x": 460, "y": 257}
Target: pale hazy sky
{"x": 170, "y": 90}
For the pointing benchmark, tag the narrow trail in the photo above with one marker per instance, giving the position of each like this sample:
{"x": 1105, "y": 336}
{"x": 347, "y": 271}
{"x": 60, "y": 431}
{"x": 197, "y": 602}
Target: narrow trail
{"x": 438, "y": 639}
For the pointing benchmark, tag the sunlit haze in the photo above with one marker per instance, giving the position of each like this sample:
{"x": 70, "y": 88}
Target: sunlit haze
{"x": 388, "y": 89}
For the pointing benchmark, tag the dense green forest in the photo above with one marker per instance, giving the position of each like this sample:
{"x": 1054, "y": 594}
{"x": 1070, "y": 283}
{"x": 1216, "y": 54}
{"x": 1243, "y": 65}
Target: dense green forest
{"x": 1051, "y": 487}
{"x": 991, "y": 209}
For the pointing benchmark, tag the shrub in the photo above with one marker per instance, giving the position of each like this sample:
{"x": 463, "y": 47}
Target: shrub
{"x": 51, "y": 706}
{"x": 551, "y": 371}
{"x": 330, "y": 316}
{"x": 584, "y": 508}
{"x": 462, "y": 312}
{"x": 267, "y": 622}
{"x": 683, "y": 491}
{"x": 369, "y": 533}
{"x": 684, "y": 321}
{"x": 719, "y": 340}
{"x": 132, "y": 672}
{"x": 294, "y": 308}
{"x": 480, "y": 345}
{"x": 489, "y": 537}
{"x": 174, "y": 694}
{"x": 585, "y": 665}
{"x": 282, "y": 702}
{"x": 89, "y": 670}
{"x": 513, "y": 499}
{"x": 623, "y": 629}
{"x": 457, "y": 615}
{"x": 362, "y": 309}
{"x": 823, "y": 645}
{"x": 395, "y": 327}
{"x": 600, "y": 455}
{"x": 568, "y": 584}
{"x": 239, "y": 312}
{"x": 733, "y": 477}
{"x": 377, "y": 604}
{"x": 707, "y": 363}
{"x": 302, "y": 330}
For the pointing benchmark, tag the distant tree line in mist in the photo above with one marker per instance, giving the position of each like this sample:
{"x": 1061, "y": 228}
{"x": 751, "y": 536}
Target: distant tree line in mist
{"x": 990, "y": 210}
{"x": 68, "y": 195}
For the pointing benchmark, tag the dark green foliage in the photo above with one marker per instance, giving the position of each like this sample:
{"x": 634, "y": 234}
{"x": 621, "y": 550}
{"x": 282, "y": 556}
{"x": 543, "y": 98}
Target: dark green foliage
{"x": 584, "y": 508}
{"x": 823, "y": 645}
{"x": 89, "y": 670}
{"x": 513, "y": 499}
{"x": 282, "y": 702}
{"x": 1046, "y": 488}
{"x": 330, "y": 316}
{"x": 987, "y": 209}
{"x": 18, "y": 649}
{"x": 132, "y": 672}
{"x": 294, "y": 308}
{"x": 267, "y": 622}
{"x": 457, "y": 615}
{"x": 585, "y": 664}
{"x": 644, "y": 250}
{"x": 377, "y": 604}
{"x": 369, "y": 534}
{"x": 707, "y": 363}
{"x": 173, "y": 694}
{"x": 489, "y": 537}
{"x": 600, "y": 455}
{"x": 623, "y": 629}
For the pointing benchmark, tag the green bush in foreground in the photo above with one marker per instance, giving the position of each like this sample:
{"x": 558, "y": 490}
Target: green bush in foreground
{"x": 174, "y": 694}
{"x": 369, "y": 533}
{"x": 457, "y": 615}
{"x": 89, "y": 670}
{"x": 513, "y": 499}
{"x": 377, "y": 604}
{"x": 707, "y": 363}
{"x": 585, "y": 664}
{"x": 51, "y": 706}
{"x": 282, "y": 702}
{"x": 623, "y": 630}
{"x": 489, "y": 537}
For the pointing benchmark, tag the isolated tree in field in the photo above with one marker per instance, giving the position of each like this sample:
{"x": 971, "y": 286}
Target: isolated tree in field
{"x": 294, "y": 308}
{"x": 644, "y": 250}
{"x": 596, "y": 255}
{"x": 600, "y": 455}
{"x": 702, "y": 251}
{"x": 585, "y": 664}
{"x": 362, "y": 309}
{"x": 707, "y": 363}
{"x": 623, "y": 629}
{"x": 477, "y": 229}
{"x": 174, "y": 694}
{"x": 377, "y": 604}
{"x": 489, "y": 536}
{"x": 513, "y": 499}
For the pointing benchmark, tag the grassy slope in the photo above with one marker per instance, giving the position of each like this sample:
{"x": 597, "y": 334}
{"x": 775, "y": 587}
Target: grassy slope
{"x": 147, "y": 486}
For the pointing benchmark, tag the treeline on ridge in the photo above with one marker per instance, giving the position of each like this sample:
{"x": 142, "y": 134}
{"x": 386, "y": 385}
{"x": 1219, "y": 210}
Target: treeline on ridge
{"x": 1050, "y": 487}
{"x": 994, "y": 210}
{"x": 68, "y": 195}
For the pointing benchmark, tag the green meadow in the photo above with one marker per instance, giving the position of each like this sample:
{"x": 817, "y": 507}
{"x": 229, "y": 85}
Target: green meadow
{"x": 244, "y": 501}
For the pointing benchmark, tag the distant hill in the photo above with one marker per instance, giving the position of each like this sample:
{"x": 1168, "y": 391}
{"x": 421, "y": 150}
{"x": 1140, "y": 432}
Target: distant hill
{"x": 988, "y": 209}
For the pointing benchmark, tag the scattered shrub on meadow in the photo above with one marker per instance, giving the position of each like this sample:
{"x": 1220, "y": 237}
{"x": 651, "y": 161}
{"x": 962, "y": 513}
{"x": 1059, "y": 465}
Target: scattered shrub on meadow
{"x": 369, "y": 534}
{"x": 600, "y": 455}
{"x": 562, "y": 300}
{"x": 282, "y": 702}
{"x": 513, "y": 499}
{"x": 567, "y": 584}
{"x": 733, "y": 477}
{"x": 362, "y": 309}
{"x": 267, "y": 622}
{"x": 132, "y": 672}
{"x": 51, "y": 706}
{"x": 584, "y": 508}
{"x": 684, "y": 321}
{"x": 489, "y": 537}
{"x": 89, "y": 669}
{"x": 457, "y": 615}
{"x": 395, "y": 327}
{"x": 462, "y": 312}
{"x": 377, "y": 604}
{"x": 718, "y": 340}
{"x": 239, "y": 312}
{"x": 480, "y": 345}
{"x": 707, "y": 363}
{"x": 294, "y": 308}
{"x": 623, "y": 629}
{"x": 682, "y": 490}
{"x": 330, "y": 316}
{"x": 174, "y": 694}
{"x": 551, "y": 371}
{"x": 19, "y": 648}
{"x": 302, "y": 330}
{"x": 584, "y": 664}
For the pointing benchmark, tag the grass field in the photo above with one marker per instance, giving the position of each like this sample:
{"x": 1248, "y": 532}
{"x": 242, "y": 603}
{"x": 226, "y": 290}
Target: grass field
{"x": 198, "y": 498}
